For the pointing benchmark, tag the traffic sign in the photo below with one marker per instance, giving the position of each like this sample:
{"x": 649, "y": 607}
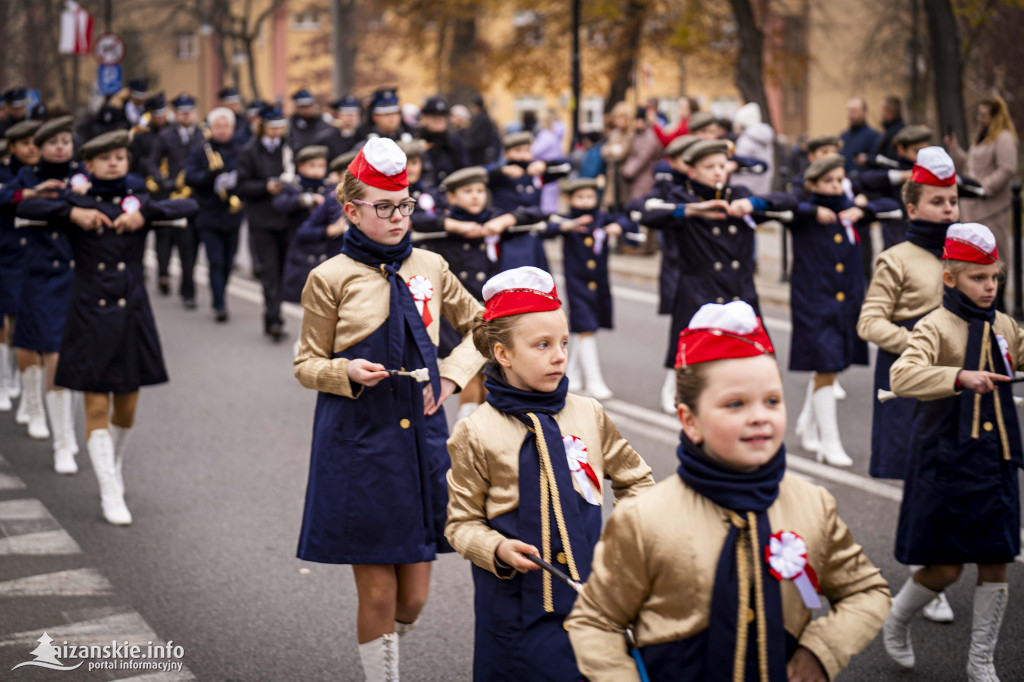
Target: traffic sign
{"x": 109, "y": 79}
{"x": 109, "y": 49}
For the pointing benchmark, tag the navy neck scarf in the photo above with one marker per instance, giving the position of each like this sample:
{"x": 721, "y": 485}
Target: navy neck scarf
{"x": 575, "y": 213}
{"x": 928, "y": 235}
{"x": 109, "y": 188}
{"x": 459, "y": 213}
{"x": 311, "y": 184}
{"x": 61, "y": 171}
{"x": 746, "y": 495}
{"x": 835, "y": 202}
{"x": 582, "y": 520}
{"x": 984, "y": 354}
{"x": 402, "y": 312}
{"x": 707, "y": 192}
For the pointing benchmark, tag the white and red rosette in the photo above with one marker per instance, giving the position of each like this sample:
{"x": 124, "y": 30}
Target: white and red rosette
{"x": 579, "y": 466}
{"x": 600, "y": 235}
{"x": 79, "y": 180}
{"x": 786, "y": 554}
{"x": 130, "y": 204}
{"x": 422, "y": 292}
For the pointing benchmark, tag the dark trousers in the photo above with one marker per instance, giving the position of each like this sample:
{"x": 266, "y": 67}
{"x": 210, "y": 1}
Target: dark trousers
{"x": 269, "y": 248}
{"x": 221, "y": 246}
{"x": 187, "y": 241}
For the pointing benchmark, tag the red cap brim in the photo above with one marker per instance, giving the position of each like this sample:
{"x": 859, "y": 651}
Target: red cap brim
{"x": 366, "y": 173}
{"x": 923, "y": 176}
{"x": 519, "y": 301}
{"x": 706, "y": 345}
{"x": 957, "y": 249}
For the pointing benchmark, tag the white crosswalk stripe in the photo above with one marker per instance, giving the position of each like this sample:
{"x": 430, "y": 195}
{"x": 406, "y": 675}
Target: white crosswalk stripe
{"x": 34, "y": 544}
{"x": 79, "y": 582}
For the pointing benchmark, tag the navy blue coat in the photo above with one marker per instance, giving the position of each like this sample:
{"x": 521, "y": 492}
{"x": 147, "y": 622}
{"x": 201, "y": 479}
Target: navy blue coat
{"x": 110, "y": 342}
{"x": 46, "y": 279}
{"x": 877, "y": 182}
{"x": 716, "y": 257}
{"x": 12, "y": 243}
{"x": 669, "y": 186}
{"x": 507, "y": 196}
{"x": 214, "y": 211}
{"x": 827, "y": 288}
{"x": 310, "y": 247}
{"x": 168, "y": 146}
{"x": 587, "y": 284}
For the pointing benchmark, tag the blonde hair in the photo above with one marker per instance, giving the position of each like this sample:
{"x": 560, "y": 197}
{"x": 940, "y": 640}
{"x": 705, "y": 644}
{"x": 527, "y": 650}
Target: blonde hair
{"x": 691, "y": 382}
{"x": 350, "y": 188}
{"x": 955, "y": 267}
{"x": 1000, "y": 118}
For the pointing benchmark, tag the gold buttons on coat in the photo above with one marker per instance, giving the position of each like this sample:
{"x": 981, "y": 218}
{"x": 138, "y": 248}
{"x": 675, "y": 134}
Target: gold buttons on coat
{"x": 56, "y": 263}
{"x": 23, "y": 241}
{"x": 463, "y": 274}
{"x": 592, "y": 286}
{"x": 591, "y": 264}
{"x": 405, "y": 423}
{"x": 732, "y": 229}
{"x": 840, "y": 297}
{"x": 589, "y": 241}
{"x": 121, "y": 266}
{"x": 54, "y": 236}
{"x": 310, "y": 258}
{"x": 121, "y": 303}
{"x": 717, "y": 266}
{"x": 102, "y": 303}
{"x": 750, "y": 615}
{"x": 101, "y": 267}
{"x": 838, "y": 238}
{"x": 716, "y": 230}
{"x": 560, "y": 558}
{"x": 482, "y": 247}
{"x": 735, "y": 265}
{"x": 719, "y": 300}
{"x": 481, "y": 276}
{"x": 840, "y": 267}
{"x": 987, "y": 426}
{"x": 465, "y": 246}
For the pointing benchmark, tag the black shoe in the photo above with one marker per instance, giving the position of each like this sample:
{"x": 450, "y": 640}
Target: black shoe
{"x": 276, "y": 331}
{"x": 189, "y": 303}
{"x": 165, "y": 286}
{"x": 221, "y": 315}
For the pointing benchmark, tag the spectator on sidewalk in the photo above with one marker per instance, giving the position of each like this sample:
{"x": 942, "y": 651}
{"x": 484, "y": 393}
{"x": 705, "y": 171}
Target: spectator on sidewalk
{"x": 614, "y": 152}
{"x": 892, "y": 124}
{"x": 859, "y": 139}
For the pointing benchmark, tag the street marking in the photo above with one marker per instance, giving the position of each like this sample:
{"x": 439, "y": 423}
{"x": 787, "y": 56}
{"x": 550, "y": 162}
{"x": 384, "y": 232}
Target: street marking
{"x": 81, "y": 582}
{"x": 666, "y": 430}
{"x": 23, "y": 509}
{"x": 10, "y": 482}
{"x": 36, "y": 544}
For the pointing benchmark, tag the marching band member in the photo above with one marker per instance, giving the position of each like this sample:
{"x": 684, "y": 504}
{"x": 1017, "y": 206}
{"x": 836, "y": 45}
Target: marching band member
{"x": 508, "y": 472}
{"x": 110, "y": 345}
{"x": 376, "y": 495}
{"x": 211, "y": 170}
{"x": 265, "y": 165}
{"x": 43, "y": 299}
{"x": 297, "y": 200}
{"x": 717, "y": 570}
{"x": 827, "y": 289}
{"x": 171, "y": 148}
{"x": 961, "y": 502}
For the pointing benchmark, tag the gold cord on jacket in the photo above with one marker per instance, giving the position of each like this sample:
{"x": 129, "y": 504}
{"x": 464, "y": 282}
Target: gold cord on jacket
{"x": 747, "y": 556}
{"x": 549, "y": 497}
{"x": 985, "y": 363}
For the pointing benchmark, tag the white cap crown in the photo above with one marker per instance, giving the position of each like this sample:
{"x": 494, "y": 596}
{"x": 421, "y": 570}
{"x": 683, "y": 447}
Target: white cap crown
{"x": 737, "y": 317}
{"x": 384, "y": 155}
{"x": 526, "y": 277}
{"x": 975, "y": 234}
{"x": 936, "y": 161}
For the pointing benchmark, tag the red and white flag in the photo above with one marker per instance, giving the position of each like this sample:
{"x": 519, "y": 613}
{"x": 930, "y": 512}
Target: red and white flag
{"x": 75, "y": 29}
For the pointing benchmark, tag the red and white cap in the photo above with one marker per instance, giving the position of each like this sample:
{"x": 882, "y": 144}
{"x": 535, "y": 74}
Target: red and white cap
{"x": 381, "y": 164}
{"x": 722, "y": 332}
{"x": 971, "y": 243}
{"x": 934, "y": 167}
{"x": 520, "y": 290}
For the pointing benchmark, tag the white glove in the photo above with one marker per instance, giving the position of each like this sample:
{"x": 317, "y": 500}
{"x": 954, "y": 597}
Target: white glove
{"x": 225, "y": 181}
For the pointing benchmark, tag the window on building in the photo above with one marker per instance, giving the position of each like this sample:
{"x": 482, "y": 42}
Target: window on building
{"x": 529, "y": 28}
{"x": 186, "y": 47}
{"x": 592, "y": 113}
{"x": 308, "y": 20}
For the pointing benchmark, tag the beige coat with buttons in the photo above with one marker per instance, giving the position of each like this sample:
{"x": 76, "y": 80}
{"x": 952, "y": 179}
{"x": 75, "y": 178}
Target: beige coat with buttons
{"x": 654, "y": 569}
{"x": 483, "y": 482}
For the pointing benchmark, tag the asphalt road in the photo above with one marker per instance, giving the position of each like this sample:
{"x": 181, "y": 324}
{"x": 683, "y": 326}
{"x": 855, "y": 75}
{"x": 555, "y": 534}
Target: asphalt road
{"x": 216, "y": 475}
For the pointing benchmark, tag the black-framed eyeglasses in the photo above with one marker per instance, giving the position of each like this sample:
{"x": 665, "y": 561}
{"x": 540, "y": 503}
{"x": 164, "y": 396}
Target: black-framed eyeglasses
{"x": 386, "y": 210}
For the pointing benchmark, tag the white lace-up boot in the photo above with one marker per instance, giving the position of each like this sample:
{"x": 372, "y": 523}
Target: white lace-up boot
{"x": 101, "y": 452}
{"x": 830, "y": 450}
{"x": 32, "y": 396}
{"x": 806, "y": 427}
{"x": 989, "y": 607}
{"x": 593, "y": 379}
{"x": 380, "y": 658}
{"x": 911, "y": 598}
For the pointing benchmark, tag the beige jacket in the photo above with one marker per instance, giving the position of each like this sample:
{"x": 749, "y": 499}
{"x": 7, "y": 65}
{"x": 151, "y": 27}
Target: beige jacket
{"x": 655, "y": 567}
{"x": 928, "y": 368}
{"x": 483, "y": 482}
{"x": 907, "y": 283}
{"x": 994, "y": 165}
{"x": 345, "y": 301}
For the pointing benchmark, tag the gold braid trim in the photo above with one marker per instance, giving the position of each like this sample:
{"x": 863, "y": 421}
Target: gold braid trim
{"x": 743, "y": 571}
{"x": 986, "y": 363}
{"x": 981, "y": 368}
{"x": 762, "y": 620}
{"x": 549, "y": 495}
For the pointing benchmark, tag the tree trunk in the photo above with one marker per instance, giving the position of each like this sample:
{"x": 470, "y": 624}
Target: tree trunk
{"x": 345, "y": 45}
{"x": 249, "y": 57}
{"x": 948, "y": 68}
{"x": 749, "y": 72}
{"x": 463, "y": 62}
{"x": 626, "y": 49}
